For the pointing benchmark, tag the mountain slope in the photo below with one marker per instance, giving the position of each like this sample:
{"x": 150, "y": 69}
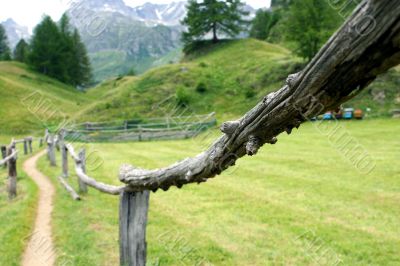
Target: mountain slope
{"x": 228, "y": 78}
{"x": 119, "y": 37}
{"x": 30, "y": 101}
{"x": 15, "y": 32}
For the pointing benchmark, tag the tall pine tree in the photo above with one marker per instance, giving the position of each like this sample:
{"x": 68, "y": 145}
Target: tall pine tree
{"x": 215, "y": 17}
{"x": 46, "y": 56}
{"x": 82, "y": 72}
{"x": 5, "y": 52}
{"x": 58, "y": 51}
{"x": 21, "y": 51}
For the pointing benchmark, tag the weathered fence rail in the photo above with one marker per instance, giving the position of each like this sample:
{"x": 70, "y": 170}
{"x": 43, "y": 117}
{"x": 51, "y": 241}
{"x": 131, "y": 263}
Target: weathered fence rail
{"x": 133, "y": 205}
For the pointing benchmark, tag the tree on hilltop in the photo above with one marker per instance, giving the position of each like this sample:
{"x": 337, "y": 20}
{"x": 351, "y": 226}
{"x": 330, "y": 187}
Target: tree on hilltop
{"x": 218, "y": 17}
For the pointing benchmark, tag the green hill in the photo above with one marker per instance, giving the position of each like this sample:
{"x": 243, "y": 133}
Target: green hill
{"x": 30, "y": 101}
{"x": 228, "y": 78}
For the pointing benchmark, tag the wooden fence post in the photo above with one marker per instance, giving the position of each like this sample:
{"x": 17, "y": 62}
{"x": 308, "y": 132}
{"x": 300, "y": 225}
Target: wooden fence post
{"x": 140, "y": 133}
{"x": 51, "y": 150}
{"x": 30, "y": 139}
{"x": 40, "y": 142}
{"x": 12, "y": 173}
{"x": 133, "y": 210}
{"x": 64, "y": 154}
{"x": 25, "y": 146}
{"x": 82, "y": 157}
{"x": 4, "y": 154}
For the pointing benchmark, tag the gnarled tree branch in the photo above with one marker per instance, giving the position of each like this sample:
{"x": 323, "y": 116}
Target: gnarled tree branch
{"x": 109, "y": 189}
{"x": 367, "y": 45}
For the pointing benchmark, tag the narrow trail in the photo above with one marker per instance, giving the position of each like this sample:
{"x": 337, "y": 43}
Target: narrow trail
{"x": 40, "y": 248}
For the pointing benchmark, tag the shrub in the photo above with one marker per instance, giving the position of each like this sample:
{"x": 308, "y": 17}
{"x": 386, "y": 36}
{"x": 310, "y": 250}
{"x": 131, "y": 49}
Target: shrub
{"x": 201, "y": 87}
{"x": 182, "y": 97}
{"x": 202, "y": 64}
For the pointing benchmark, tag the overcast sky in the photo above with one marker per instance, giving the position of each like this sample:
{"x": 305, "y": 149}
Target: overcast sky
{"x": 29, "y": 12}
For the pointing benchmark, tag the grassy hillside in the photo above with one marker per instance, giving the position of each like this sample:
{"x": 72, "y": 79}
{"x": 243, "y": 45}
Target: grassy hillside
{"x": 228, "y": 78}
{"x": 299, "y": 202}
{"x": 30, "y": 101}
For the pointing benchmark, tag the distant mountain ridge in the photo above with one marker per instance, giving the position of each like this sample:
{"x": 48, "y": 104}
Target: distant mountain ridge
{"x": 120, "y": 37}
{"x": 15, "y": 32}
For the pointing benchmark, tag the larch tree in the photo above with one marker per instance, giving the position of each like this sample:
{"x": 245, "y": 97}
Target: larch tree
{"x": 218, "y": 17}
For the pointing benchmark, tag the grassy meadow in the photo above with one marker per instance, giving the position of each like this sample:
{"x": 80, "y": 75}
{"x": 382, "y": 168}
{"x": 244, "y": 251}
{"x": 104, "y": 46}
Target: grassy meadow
{"x": 16, "y": 216}
{"x": 299, "y": 202}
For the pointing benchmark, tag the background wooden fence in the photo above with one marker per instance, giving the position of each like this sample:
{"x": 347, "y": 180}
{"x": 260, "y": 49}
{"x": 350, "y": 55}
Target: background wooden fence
{"x": 133, "y": 209}
{"x": 141, "y": 130}
{"x": 9, "y": 155}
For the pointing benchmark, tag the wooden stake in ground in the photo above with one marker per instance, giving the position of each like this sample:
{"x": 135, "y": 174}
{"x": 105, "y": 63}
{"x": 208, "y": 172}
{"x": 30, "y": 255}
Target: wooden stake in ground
{"x": 25, "y": 146}
{"x": 133, "y": 212}
{"x": 30, "y": 139}
{"x": 82, "y": 157}
{"x": 4, "y": 154}
{"x": 12, "y": 173}
{"x": 51, "y": 153}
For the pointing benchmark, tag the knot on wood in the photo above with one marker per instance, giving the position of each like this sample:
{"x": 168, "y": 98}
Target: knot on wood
{"x": 292, "y": 79}
{"x": 272, "y": 141}
{"x": 267, "y": 99}
{"x": 253, "y": 145}
{"x": 229, "y": 127}
{"x": 289, "y": 129}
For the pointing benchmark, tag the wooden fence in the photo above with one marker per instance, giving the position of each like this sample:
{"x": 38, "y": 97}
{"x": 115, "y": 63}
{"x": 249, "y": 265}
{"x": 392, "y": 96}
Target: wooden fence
{"x": 141, "y": 130}
{"x": 133, "y": 205}
{"x": 9, "y": 159}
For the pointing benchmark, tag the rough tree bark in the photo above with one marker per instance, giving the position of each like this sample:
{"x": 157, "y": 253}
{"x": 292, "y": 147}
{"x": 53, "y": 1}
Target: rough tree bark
{"x": 367, "y": 45}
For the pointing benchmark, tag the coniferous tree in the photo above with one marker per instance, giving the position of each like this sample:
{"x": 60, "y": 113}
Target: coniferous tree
{"x": 58, "y": 51}
{"x": 5, "y": 52}
{"x": 21, "y": 51}
{"x": 262, "y": 24}
{"x": 82, "y": 72}
{"x": 309, "y": 24}
{"x": 213, "y": 16}
{"x": 46, "y": 55}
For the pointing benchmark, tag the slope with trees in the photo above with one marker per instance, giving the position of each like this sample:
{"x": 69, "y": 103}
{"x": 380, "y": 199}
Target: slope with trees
{"x": 21, "y": 51}
{"x": 215, "y": 17}
{"x": 5, "y": 52}
{"x": 57, "y": 51}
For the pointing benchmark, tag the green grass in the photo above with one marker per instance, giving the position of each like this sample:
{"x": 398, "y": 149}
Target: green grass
{"x": 16, "y": 216}
{"x": 299, "y": 202}
{"x": 30, "y": 101}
